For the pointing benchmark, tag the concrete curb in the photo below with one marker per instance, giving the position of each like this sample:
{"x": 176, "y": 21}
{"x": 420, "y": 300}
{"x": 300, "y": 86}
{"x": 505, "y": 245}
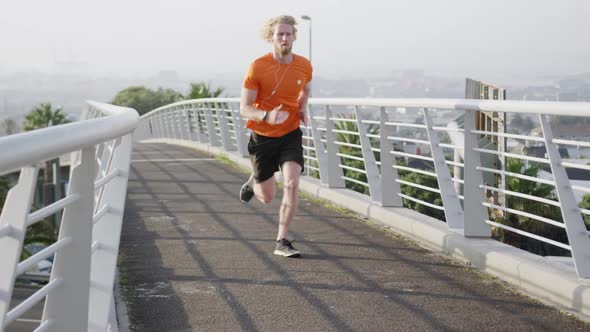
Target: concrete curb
{"x": 121, "y": 316}
{"x": 549, "y": 279}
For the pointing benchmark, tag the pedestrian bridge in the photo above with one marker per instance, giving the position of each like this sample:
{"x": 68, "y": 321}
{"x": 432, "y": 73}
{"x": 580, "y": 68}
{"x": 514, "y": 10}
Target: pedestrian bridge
{"x": 191, "y": 256}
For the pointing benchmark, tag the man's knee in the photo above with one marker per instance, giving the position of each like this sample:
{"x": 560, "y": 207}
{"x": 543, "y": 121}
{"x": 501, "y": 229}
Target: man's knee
{"x": 265, "y": 191}
{"x": 291, "y": 186}
{"x": 265, "y": 199}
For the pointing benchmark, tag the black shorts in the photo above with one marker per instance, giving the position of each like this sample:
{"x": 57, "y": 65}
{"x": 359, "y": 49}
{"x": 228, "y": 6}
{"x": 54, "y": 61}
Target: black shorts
{"x": 267, "y": 154}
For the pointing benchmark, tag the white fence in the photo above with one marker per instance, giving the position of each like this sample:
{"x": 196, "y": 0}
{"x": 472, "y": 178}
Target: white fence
{"x": 364, "y": 143}
{"x": 78, "y": 296}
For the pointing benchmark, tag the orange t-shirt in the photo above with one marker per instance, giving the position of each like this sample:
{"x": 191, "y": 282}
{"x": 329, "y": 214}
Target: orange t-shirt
{"x": 266, "y": 75}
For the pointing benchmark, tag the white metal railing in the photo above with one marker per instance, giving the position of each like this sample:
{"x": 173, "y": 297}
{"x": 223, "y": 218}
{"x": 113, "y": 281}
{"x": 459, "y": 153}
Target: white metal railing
{"x": 361, "y": 142}
{"x": 78, "y": 296}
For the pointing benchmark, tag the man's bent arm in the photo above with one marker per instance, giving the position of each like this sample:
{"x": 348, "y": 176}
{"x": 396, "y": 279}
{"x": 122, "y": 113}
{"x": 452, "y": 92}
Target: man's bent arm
{"x": 303, "y": 98}
{"x": 247, "y": 108}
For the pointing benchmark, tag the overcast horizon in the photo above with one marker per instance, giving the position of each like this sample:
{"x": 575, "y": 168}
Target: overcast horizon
{"x": 217, "y": 39}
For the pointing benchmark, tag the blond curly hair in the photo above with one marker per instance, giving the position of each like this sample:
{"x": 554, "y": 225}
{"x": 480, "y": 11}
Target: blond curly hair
{"x": 269, "y": 26}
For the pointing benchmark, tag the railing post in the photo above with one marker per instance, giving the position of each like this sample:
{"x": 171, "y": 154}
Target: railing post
{"x": 105, "y": 238}
{"x": 369, "y": 157}
{"x": 189, "y": 124}
{"x": 223, "y": 128}
{"x": 390, "y": 189}
{"x": 211, "y": 129}
{"x": 577, "y": 234}
{"x": 474, "y": 212}
{"x": 320, "y": 151}
{"x": 13, "y": 221}
{"x": 240, "y": 130}
{"x": 165, "y": 123}
{"x": 202, "y": 122}
{"x": 176, "y": 127}
{"x": 335, "y": 172}
{"x": 161, "y": 125}
{"x": 172, "y": 122}
{"x": 155, "y": 119}
{"x": 104, "y": 164}
{"x": 184, "y": 133}
{"x": 450, "y": 200}
{"x": 181, "y": 123}
{"x": 67, "y": 307}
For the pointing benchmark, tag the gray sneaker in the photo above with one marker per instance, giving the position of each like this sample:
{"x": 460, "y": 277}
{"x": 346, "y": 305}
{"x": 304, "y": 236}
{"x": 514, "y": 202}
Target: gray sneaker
{"x": 290, "y": 237}
{"x": 285, "y": 248}
{"x": 247, "y": 191}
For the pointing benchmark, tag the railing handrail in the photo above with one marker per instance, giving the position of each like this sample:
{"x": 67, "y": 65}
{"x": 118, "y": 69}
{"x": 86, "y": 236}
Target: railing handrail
{"x": 42, "y": 144}
{"x": 516, "y": 106}
{"x": 90, "y": 213}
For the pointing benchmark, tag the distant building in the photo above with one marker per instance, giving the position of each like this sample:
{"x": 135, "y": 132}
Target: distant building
{"x": 539, "y": 151}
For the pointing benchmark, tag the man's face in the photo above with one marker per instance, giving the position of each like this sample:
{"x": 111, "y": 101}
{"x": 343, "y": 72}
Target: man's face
{"x": 282, "y": 38}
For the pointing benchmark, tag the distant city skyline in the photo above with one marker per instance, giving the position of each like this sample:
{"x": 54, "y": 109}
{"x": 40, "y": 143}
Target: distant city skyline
{"x": 217, "y": 39}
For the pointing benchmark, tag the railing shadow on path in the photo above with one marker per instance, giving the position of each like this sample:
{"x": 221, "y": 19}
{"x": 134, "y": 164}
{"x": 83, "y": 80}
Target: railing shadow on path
{"x": 223, "y": 275}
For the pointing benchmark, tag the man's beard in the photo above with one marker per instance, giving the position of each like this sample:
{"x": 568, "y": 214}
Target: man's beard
{"x": 284, "y": 50}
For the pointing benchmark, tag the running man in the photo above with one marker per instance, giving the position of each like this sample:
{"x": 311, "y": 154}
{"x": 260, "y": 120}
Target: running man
{"x": 274, "y": 100}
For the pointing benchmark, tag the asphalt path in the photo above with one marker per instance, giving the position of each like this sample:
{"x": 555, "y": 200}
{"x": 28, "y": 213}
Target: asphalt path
{"x": 194, "y": 258}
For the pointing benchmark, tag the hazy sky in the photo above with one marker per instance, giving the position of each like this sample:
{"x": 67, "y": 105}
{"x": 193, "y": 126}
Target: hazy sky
{"x": 219, "y": 38}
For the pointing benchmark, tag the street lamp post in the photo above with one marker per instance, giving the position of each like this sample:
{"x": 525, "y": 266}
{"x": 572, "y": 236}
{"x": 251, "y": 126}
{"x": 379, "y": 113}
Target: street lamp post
{"x": 308, "y": 18}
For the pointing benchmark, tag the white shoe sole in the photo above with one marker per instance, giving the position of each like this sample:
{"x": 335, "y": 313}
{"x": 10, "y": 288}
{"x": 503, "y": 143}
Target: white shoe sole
{"x": 280, "y": 253}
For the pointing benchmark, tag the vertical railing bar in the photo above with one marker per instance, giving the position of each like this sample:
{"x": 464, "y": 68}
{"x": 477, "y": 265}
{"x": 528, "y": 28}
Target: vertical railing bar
{"x": 107, "y": 232}
{"x": 223, "y": 127}
{"x": 211, "y": 128}
{"x": 390, "y": 188}
{"x": 334, "y": 172}
{"x": 370, "y": 163}
{"x": 474, "y": 213}
{"x": 69, "y": 307}
{"x": 17, "y": 206}
{"x": 240, "y": 129}
{"x": 577, "y": 234}
{"x": 450, "y": 200}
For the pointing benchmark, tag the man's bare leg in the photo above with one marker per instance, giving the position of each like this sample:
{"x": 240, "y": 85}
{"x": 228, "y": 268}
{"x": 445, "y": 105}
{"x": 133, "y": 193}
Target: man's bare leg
{"x": 265, "y": 191}
{"x": 291, "y": 172}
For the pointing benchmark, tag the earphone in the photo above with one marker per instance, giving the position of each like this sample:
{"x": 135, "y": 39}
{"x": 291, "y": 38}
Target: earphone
{"x": 278, "y": 82}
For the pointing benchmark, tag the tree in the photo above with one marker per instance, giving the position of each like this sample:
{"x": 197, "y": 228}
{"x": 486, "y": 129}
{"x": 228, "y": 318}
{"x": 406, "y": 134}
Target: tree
{"x": 202, "y": 90}
{"x": 417, "y": 178}
{"x": 4, "y": 187}
{"x": 421, "y": 194}
{"x": 585, "y": 204}
{"x": 43, "y": 115}
{"x": 9, "y": 126}
{"x": 144, "y": 100}
{"x": 525, "y": 205}
{"x": 352, "y": 151}
{"x": 42, "y": 232}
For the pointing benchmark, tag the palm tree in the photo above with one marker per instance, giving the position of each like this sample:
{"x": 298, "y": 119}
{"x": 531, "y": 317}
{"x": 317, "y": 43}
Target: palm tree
{"x": 202, "y": 90}
{"x": 43, "y": 115}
